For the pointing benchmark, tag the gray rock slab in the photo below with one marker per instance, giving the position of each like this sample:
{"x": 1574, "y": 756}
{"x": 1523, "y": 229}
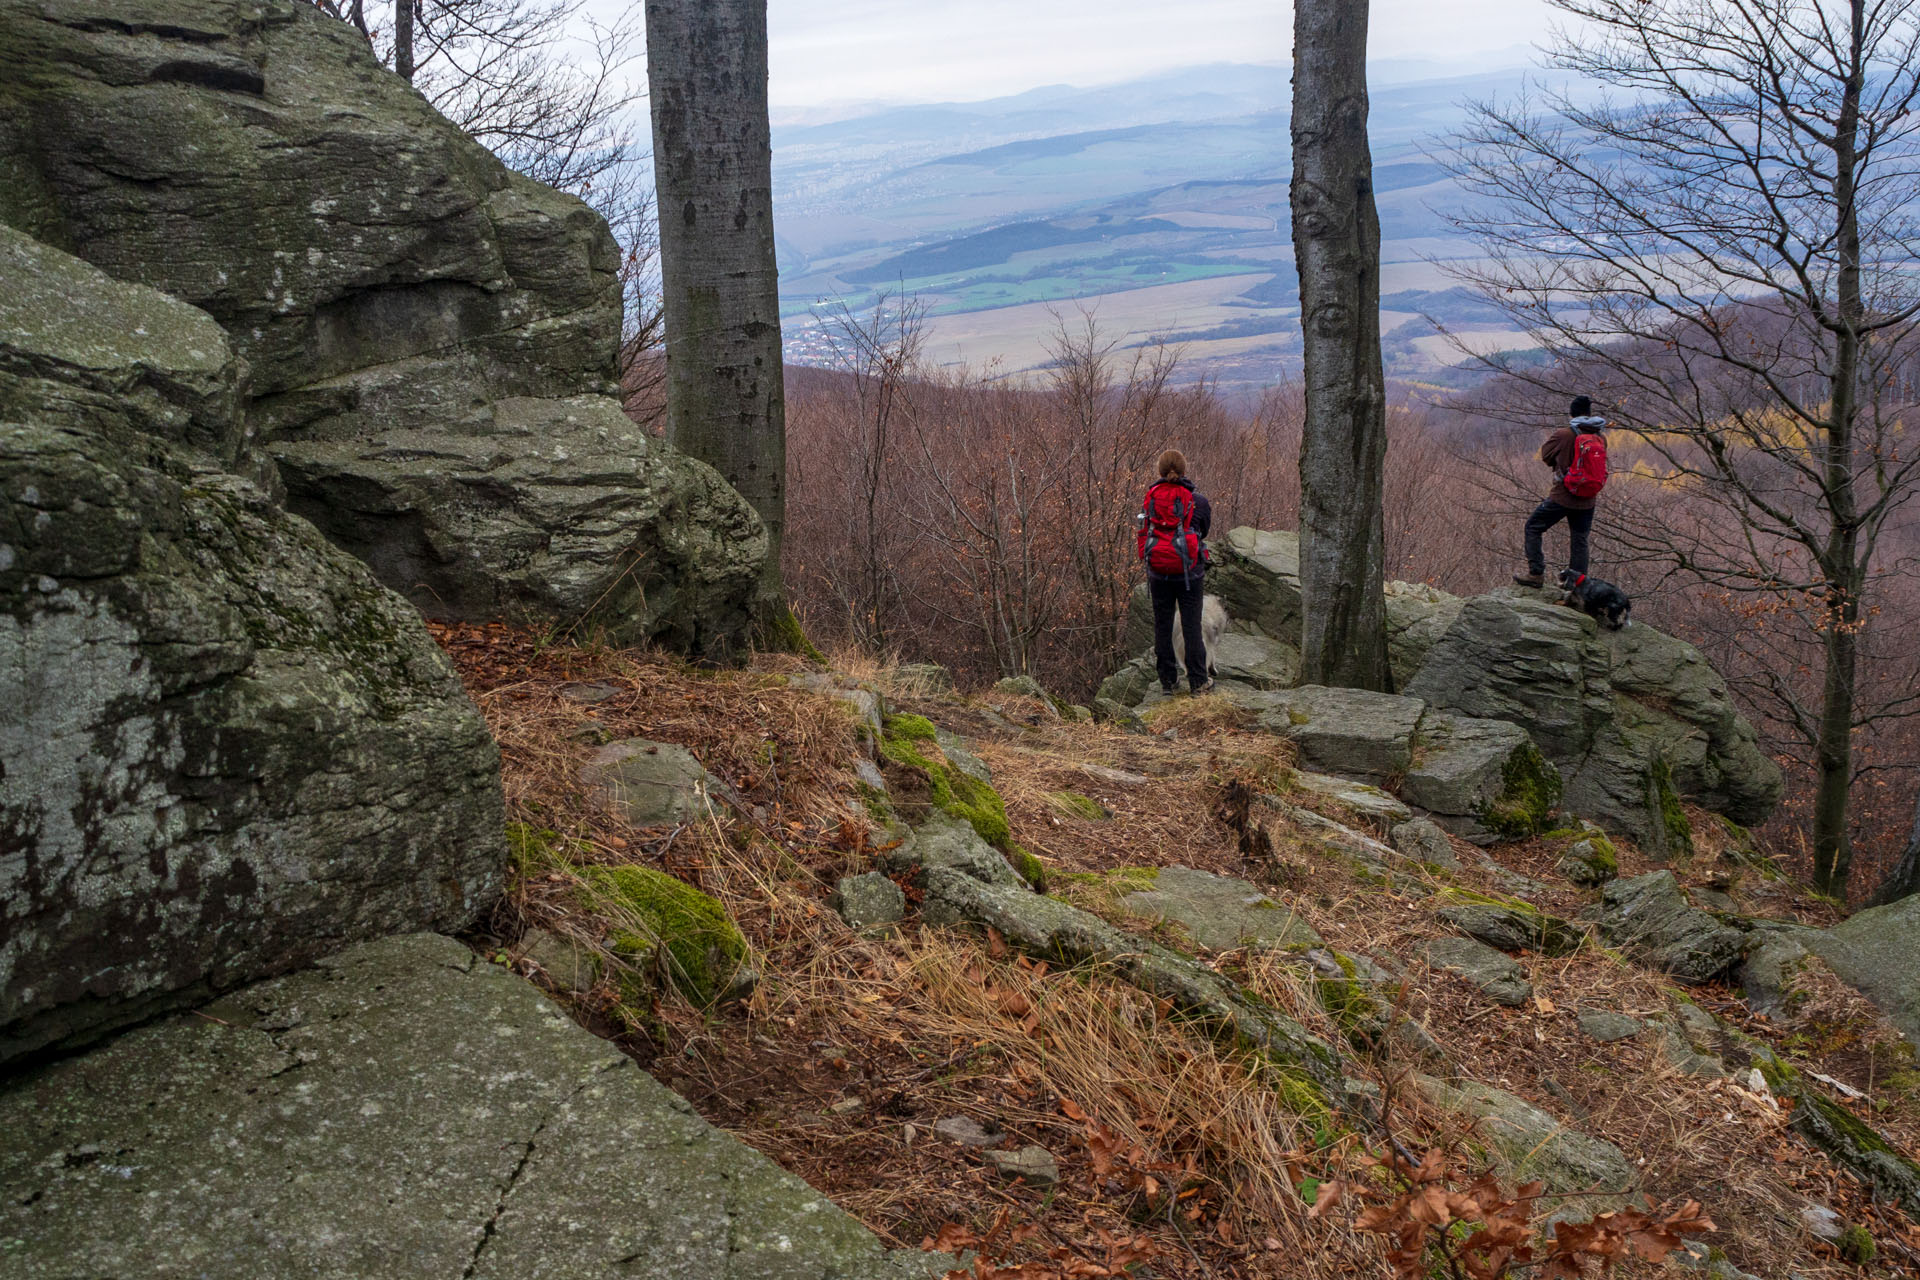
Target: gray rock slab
{"x": 1499, "y": 978}
{"x": 1219, "y": 912}
{"x": 648, "y": 784}
{"x": 960, "y": 756}
{"x": 1531, "y": 1144}
{"x": 1878, "y": 951}
{"x": 1422, "y": 840}
{"x": 1606, "y": 1026}
{"x": 868, "y": 901}
{"x": 1516, "y": 927}
{"x": 1348, "y": 731}
{"x": 1030, "y": 1164}
{"x": 1650, "y": 919}
{"x": 402, "y": 1110}
{"x": 1461, "y": 763}
{"x": 1256, "y": 575}
{"x": 1588, "y": 864}
{"x": 1364, "y": 800}
{"x": 1770, "y": 974}
{"x": 965, "y": 1131}
{"x": 1526, "y": 662}
{"x": 1255, "y": 660}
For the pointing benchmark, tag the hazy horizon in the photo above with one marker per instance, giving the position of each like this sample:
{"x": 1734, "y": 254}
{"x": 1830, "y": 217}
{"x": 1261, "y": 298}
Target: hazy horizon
{"x": 881, "y": 52}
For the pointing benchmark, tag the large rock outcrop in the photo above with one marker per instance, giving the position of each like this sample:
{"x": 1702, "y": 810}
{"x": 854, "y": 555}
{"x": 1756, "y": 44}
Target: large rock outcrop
{"x": 1623, "y": 725}
{"x": 225, "y": 749}
{"x": 431, "y": 337}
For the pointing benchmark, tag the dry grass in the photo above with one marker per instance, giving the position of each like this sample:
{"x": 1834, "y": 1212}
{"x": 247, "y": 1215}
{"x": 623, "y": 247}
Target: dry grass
{"x": 853, "y": 1048}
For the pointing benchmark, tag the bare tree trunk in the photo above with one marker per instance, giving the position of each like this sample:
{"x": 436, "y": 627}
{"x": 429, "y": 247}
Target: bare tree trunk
{"x": 712, "y": 157}
{"x": 1336, "y": 243}
{"x": 403, "y": 17}
{"x": 1833, "y": 752}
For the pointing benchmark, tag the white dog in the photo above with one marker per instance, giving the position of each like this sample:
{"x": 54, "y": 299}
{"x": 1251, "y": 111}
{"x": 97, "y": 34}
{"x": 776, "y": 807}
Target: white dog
{"x": 1213, "y": 623}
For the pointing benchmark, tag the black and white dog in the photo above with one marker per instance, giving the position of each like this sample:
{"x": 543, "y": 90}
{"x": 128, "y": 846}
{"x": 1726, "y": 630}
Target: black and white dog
{"x": 1600, "y": 600}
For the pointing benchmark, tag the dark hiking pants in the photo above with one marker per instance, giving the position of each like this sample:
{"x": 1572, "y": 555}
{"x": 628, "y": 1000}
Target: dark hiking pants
{"x": 1544, "y": 517}
{"x": 1185, "y": 594}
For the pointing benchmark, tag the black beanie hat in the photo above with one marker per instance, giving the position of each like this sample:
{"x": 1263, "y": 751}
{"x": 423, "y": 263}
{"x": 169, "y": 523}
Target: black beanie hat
{"x": 1581, "y": 407}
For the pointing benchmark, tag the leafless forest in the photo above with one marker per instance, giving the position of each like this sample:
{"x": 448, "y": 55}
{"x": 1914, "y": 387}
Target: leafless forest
{"x": 985, "y": 523}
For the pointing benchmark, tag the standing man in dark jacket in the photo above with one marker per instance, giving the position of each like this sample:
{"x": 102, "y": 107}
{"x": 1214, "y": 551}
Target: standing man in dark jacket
{"x": 1558, "y": 453}
{"x": 1174, "y": 521}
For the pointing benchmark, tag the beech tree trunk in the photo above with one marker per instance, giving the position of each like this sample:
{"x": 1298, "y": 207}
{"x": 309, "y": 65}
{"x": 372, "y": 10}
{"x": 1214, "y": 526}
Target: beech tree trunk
{"x": 403, "y": 39}
{"x": 1336, "y": 244}
{"x": 1840, "y": 565}
{"x": 713, "y": 161}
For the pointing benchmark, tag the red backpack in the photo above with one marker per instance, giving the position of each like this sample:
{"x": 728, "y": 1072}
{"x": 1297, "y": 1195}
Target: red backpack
{"x": 1167, "y": 541}
{"x": 1587, "y": 475}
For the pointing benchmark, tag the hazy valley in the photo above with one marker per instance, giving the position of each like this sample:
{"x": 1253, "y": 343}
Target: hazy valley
{"x": 1160, "y": 204}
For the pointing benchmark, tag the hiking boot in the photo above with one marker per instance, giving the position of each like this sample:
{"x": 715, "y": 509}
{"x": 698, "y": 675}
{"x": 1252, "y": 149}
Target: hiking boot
{"x": 1531, "y": 579}
{"x": 1203, "y": 688}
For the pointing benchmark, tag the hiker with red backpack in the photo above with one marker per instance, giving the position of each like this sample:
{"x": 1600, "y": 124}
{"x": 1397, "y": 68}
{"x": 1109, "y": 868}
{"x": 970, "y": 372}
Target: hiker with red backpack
{"x": 1577, "y": 453}
{"x": 1173, "y": 524}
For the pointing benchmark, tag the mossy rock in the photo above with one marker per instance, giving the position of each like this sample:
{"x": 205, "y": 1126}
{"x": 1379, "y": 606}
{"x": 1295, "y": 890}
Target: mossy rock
{"x": 912, "y": 742}
{"x": 1844, "y": 1136}
{"x": 1031, "y": 869}
{"x": 1509, "y": 923}
{"x": 702, "y": 950}
{"x": 1673, "y": 818}
{"x": 1591, "y": 860}
{"x": 1530, "y": 790}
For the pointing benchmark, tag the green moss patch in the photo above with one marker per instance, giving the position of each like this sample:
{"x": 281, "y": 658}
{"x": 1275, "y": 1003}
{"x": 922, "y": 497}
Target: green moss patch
{"x": 1529, "y": 795}
{"x": 1672, "y": 817}
{"x": 700, "y": 947}
{"x": 784, "y": 634}
{"x": 909, "y": 743}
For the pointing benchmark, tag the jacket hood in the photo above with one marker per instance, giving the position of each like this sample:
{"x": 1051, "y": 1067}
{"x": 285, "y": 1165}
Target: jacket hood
{"x": 1182, "y": 481}
{"x": 1593, "y": 422}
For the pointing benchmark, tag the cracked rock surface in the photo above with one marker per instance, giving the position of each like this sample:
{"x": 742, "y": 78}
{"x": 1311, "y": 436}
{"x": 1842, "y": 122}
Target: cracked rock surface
{"x": 401, "y": 1110}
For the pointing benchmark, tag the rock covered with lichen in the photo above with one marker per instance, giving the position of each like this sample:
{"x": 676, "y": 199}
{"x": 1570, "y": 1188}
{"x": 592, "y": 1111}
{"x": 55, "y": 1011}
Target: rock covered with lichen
{"x": 225, "y": 749}
{"x": 432, "y": 338}
{"x": 1508, "y": 707}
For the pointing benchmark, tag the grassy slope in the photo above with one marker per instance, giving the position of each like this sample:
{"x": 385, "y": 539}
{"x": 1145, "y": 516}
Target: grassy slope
{"x": 1170, "y": 1147}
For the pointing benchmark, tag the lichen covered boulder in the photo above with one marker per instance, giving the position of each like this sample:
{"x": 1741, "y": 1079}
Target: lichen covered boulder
{"x": 432, "y": 338}
{"x": 225, "y": 749}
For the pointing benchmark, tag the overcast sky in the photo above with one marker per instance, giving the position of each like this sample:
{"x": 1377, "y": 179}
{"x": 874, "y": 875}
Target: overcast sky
{"x": 837, "y": 51}
{"x": 959, "y": 50}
